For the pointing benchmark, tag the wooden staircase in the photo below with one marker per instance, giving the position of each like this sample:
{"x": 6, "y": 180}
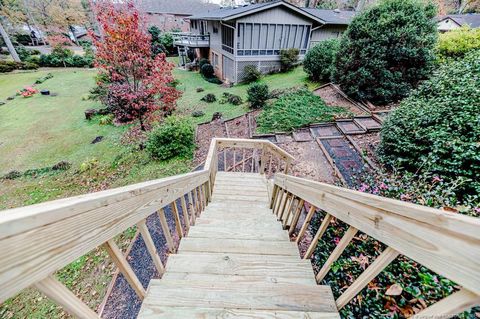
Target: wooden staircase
{"x": 237, "y": 261}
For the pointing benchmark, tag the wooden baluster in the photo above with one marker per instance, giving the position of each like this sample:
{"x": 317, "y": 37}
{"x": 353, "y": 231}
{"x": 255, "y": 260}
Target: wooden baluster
{"x": 60, "y": 294}
{"x": 196, "y": 203}
{"x": 296, "y": 217}
{"x": 321, "y": 230}
{"x": 224, "y": 159}
{"x": 450, "y": 306}
{"x": 234, "y": 159}
{"x": 202, "y": 197}
{"x": 347, "y": 237}
{"x": 382, "y": 261}
{"x": 147, "y": 239}
{"x": 308, "y": 218}
{"x": 176, "y": 216}
{"x": 274, "y": 194}
{"x": 282, "y": 203}
{"x": 166, "y": 230}
{"x": 263, "y": 160}
{"x": 285, "y": 206}
{"x": 254, "y": 153}
{"x": 278, "y": 198}
{"x": 270, "y": 160}
{"x": 192, "y": 207}
{"x": 127, "y": 271}
{"x": 186, "y": 217}
{"x": 288, "y": 212}
{"x": 243, "y": 161}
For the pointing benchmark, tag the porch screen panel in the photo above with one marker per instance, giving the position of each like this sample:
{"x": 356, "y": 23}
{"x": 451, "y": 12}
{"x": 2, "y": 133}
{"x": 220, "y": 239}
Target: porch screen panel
{"x": 227, "y": 38}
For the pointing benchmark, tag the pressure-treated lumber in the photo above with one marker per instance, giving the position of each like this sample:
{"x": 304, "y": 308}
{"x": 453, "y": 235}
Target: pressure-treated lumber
{"x": 296, "y": 216}
{"x": 166, "y": 230}
{"x": 308, "y": 218}
{"x": 127, "y": 271}
{"x": 186, "y": 217}
{"x": 176, "y": 216}
{"x": 382, "y": 261}
{"x": 52, "y": 235}
{"x": 178, "y": 293}
{"x": 304, "y": 279}
{"x": 446, "y": 243}
{"x": 321, "y": 230}
{"x": 147, "y": 239}
{"x": 286, "y": 215}
{"x": 239, "y": 246}
{"x": 450, "y": 306}
{"x": 60, "y": 294}
{"x": 347, "y": 237}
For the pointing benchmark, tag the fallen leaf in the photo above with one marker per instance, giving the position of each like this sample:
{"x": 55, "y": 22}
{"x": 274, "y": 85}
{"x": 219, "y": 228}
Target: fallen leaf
{"x": 394, "y": 290}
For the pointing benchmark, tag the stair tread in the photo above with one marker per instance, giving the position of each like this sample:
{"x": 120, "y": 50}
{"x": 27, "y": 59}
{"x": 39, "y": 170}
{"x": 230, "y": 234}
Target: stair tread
{"x": 258, "y": 232}
{"x": 153, "y": 311}
{"x": 238, "y": 246}
{"x": 305, "y": 279}
{"x": 259, "y": 296}
{"x": 239, "y": 264}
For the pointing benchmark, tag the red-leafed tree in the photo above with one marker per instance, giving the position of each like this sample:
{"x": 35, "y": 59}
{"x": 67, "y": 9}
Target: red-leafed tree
{"x": 140, "y": 85}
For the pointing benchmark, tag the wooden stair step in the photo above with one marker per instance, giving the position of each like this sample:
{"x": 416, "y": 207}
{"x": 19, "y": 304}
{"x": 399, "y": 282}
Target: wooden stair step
{"x": 239, "y": 264}
{"x": 286, "y": 297}
{"x": 252, "y": 214}
{"x": 151, "y": 311}
{"x": 306, "y": 279}
{"x": 239, "y": 230}
{"x": 239, "y": 197}
{"x": 216, "y": 245}
{"x": 241, "y": 221}
{"x": 270, "y": 232}
{"x": 234, "y": 191}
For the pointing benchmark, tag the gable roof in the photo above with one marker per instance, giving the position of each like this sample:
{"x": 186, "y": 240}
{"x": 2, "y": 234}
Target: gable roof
{"x": 332, "y": 16}
{"x": 178, "y": 7}
{"x": 471, "y": 20}
{"x": 225, "y": 14}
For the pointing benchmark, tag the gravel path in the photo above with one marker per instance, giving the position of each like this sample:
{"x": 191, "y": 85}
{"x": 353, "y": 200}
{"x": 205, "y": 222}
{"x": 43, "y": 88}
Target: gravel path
{"x": 123, "y": 301}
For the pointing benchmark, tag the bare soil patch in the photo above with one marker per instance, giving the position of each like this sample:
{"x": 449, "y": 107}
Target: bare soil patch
{"x": 333, "y": 97}
{"x": 368, "y": 144}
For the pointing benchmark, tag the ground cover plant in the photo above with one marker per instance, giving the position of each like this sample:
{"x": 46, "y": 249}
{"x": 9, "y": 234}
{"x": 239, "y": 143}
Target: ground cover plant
{"x": 456, "y": 43}
{"x": 294, "y": 110}
{"x": 404, "y": 287}
{"x": 436, "y": 129}
{"x": 386, "y": 50}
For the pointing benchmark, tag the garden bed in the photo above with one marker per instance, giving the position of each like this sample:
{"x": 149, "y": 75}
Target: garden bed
{"x": 335, "y": 97}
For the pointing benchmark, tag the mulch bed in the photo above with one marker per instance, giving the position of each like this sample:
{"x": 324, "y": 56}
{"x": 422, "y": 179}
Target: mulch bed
{"x": 332, "y": 97}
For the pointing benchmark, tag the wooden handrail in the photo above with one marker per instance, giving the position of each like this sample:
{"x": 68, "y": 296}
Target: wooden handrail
{"x": 447, "y": 243}
{"x": 37, "y": 240}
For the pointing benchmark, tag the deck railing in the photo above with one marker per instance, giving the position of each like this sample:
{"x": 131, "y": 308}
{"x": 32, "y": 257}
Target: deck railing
{"x": 37, "y": 240}
{"x": 447, "y": 243}
{"x": 190, "y": 39}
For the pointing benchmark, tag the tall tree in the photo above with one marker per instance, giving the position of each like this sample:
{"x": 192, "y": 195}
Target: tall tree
{"x": 387, "y": 50}
{"x": 140, "y": 84}
{"x": 8, "y": 42}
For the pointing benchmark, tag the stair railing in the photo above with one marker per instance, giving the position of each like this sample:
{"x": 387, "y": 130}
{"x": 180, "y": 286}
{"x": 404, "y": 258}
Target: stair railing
{"x": 38, "y": 240}
{"x": 447, "y": 243}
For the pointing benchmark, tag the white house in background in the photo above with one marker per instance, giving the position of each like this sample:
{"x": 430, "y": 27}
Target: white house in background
{"x": 455, "y": 21}
{"x": 232, "y": 38}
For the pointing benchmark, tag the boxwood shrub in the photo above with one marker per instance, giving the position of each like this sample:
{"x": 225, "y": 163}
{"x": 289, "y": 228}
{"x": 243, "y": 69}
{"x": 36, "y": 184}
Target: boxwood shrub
{"x": 437, "y": 128}
{"x": 319, "y": 62}
{"x": 175, "y": 137}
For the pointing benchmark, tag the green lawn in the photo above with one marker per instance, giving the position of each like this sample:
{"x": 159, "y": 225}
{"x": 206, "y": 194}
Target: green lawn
{"x": 40, "y": 131}
{"x": 190, "y": 100}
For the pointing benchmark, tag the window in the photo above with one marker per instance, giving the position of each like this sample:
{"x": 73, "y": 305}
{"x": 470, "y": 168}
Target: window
{"x": 215, "y": 60}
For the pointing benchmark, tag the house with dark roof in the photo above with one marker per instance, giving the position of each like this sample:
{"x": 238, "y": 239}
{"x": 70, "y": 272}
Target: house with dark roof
{"x": 170, "y": 15}
{"x": 233, "y": 38}
{"x": 455, "y": 21}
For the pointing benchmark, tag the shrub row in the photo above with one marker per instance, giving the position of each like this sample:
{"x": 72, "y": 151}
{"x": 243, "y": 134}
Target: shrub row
{"x": 9, "y": 66}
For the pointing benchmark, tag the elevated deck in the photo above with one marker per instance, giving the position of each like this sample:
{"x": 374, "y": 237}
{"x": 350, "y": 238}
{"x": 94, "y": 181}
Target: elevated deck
{"x": 191, "y": 40}
{"x": 237, "y": 261}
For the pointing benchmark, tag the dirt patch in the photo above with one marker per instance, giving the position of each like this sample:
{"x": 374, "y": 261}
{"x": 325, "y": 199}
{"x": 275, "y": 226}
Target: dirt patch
{"x": 238, "y": 127}
{"x": 309, "y": 162}
{"x": 205, "y": 133}
{"x": 332, "y": 97}
{"x": 368, "y": 143}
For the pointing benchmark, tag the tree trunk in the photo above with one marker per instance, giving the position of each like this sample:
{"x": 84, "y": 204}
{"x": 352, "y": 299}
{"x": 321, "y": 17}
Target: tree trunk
{"x": 142, "y": 126}
{"x": 9, "y": 44}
